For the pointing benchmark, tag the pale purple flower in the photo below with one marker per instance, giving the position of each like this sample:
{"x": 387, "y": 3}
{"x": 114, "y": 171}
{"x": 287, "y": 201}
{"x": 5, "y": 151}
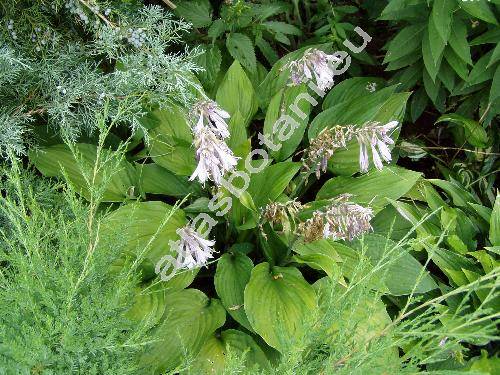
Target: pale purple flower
{"x": 314, "y": 64}
{"x": 342, "y": 220}
{"x": 346, "y": 220}
{"x": 211, "y": 115}
{"x": 323, "y": 147}
{"x": 214, "y": 157}
{"x": 192, "y": 249}
{"x": 376, "y": 137}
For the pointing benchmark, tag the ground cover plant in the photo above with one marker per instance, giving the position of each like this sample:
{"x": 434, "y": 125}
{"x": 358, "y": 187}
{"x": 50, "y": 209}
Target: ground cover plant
{"x": 198, "y": 187}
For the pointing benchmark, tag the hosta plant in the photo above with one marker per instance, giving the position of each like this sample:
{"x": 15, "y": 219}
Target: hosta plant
{"x": 260, "y": 245}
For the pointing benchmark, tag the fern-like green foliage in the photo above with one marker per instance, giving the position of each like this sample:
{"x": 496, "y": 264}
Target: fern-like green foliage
{"x": 62, "y": 308}
{"x": 62, "y": 61}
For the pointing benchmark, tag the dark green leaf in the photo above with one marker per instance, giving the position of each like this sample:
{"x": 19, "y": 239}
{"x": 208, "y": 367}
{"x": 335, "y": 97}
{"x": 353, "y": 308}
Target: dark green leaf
{"x": 431, "y": 64}
{"x": 479, "y": 9}
{"x": 158, "y": 180}
{"x": 474, "y": 132}
{"x": 419, "y": 101}
{"x": 407, "y": 41}
{"x": 458, "y": 40}
{"x": 442, "y": 16}
{"x": 198, "y": 12}
{"x": 241, "y": 48}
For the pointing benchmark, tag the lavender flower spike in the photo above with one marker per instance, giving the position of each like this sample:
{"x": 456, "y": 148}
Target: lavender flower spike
{"x": 212, "y": 116}
{"x": 376, "y": 137}
{"x": 314, "y": 64}
{"x": 214, "y": 157}
{"x": 193, "y": 250}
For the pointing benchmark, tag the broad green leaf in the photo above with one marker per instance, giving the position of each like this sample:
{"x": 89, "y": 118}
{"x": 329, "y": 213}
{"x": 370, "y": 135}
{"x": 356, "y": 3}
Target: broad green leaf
{"x": 402, "y": 272}
{"x": 481, "y": 72}
{"x": 491, "y": 36}
{"x": 405, "y": 42}
{"x": 408, "y": 77}
{"x": 453, "y": 265}
{"x": 284, "y": 118}
{"x": 495, "y": 56}
{"x": 210, "y": 60}
{"x": 231, "y": 277}
{"x": 238, "y": 141}
{"x": 494, "y": 236}
{"x": 278, "y": 302}
{"x": 400, "y": 9}
{"x": 436, "y": 42}
{"x": 236, "y": 93}
{"x": 373, "y": 188}
{"x": 273, "y": 245}
{"x": 148, "y": 305}
{"x": 447, "y": 76}
{"x": 119, "y": 177}
{"x": 420, "y": 218}
{"x": 267, "y": 186}
{"x": 171, "y": 142}
{"x": 479, "y": 9}
{"x": 145, "y": 229}
{"x": 408, "y": 60}
{"x": 197, "y": 12}
{"x": 158, "y": 180}
{"x": 458, "y": 65}
{"x": 458, "y": 40}
{"x": 495, "y": 86}
{"x": 282, "y": 27}
{"x": 216, "y": 29}
{"x": 388, "y": 223}
{"x": 461, "y": 197}
{"x": 213, "y": 354}
{"x": 240, "y": 47}
{"x": 354, "y": 111}
{"x": 419, "y": 101}
{"x": 351, "y": 88}
{"x": 320, "y": 255}
{"x": 442, "y": 17}
{"x": 431, "y": 64}
{"x": 474, "y": 132}
{"x": 431, "y": 86}
{"x": 189, "y": 320}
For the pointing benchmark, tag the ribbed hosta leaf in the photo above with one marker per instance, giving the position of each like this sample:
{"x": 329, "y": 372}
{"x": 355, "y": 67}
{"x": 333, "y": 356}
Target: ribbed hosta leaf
{"x": 232, "y": 275}
{"x": 171, "y": 141}
{"x": 145, "y": 229}
{"x": 189, "y": 320}
{"x": 278, "y": 303}
{"x": 372, "y": 188}
{"x": 54, "y": 161}
{"x": 213, "y": 354}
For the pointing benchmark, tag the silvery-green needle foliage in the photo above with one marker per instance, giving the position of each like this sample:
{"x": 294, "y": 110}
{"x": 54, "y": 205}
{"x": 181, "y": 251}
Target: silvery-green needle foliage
{"x": 61, "y": 62}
